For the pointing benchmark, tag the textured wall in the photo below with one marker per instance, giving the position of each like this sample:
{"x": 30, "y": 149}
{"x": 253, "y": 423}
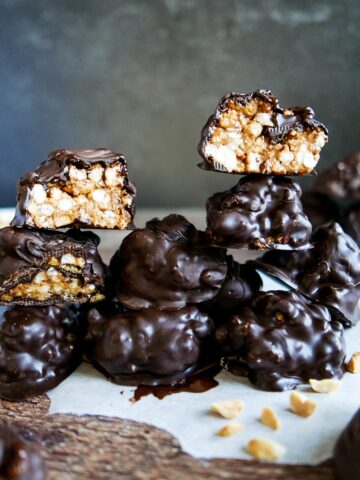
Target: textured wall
{"x": 142, "y": 76}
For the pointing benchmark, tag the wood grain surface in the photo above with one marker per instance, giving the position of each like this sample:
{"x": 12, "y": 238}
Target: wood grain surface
{"x": 91, "y": 447}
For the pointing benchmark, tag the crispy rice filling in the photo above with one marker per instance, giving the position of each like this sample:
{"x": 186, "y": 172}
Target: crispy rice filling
{"x": 95, "y": 197}
{"x": 237, "y": 143}
{"x": 52, "y": 282}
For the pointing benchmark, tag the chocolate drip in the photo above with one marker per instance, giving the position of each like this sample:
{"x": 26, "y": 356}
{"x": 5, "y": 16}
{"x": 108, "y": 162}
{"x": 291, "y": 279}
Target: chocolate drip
{"x": 197, "y": 382}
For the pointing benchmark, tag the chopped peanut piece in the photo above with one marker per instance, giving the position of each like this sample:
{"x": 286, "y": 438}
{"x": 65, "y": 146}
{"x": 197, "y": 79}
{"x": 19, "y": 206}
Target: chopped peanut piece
{"x": 354, "y": 363}
{"x": 301, "y": 405}
{"x": 270, "y": 419}
{"x": 265, "y": 449}
{"x": 327, "y": 385}
{"x": 228, "y": 408}
{"x": 230, "y": 429}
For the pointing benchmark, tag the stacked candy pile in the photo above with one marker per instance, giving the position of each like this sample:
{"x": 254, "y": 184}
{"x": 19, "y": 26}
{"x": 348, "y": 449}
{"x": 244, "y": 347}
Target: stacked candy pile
{"x": 173, "y": 300}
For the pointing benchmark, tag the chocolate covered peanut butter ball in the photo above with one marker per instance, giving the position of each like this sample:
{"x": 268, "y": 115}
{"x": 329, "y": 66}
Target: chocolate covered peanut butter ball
{"x": 167, "y": 265}
{"x": 257, "y": 213}
{"x": 329, "y": 272}
{"x": 319, "y": 208}
{"x": 350, "y": 222}
{"x": 47, "y": 267}
{"x": 251, "y": 133}
{"x": 39, "y": 348}
{"x": 341, "y": 180}
{"x": 240, "y": 285}
{"x": 77, "y": 188}
{"x": 149, "y": 346}
{"x": 281, "y": 339}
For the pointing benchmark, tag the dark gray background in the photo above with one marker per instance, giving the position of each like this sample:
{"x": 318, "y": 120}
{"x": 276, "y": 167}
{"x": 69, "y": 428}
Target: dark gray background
{"x": 142, "y": 77}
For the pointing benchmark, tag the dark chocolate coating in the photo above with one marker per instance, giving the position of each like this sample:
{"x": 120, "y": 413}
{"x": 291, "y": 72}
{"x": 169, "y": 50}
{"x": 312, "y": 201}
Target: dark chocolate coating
{"x": 258, "y": 212}
{"x": 167, "y": 265}
{"x": 342, "y": 179}
{"x": 350, "y": 222}
{"x": 239, "y": 287}
{"x": 55, "y": 171}
{"x": 333, "y": 276}
{"x": 39, "y": 348}
{"x": 149, "y": 347}
{"x": 284, "y": 266}
{"x": 329, "y": 273}
{"x": 24, "y": 252}
{"x": 302, "y": 118}
{"x": 346, "y": 453}
{"x": 19, "y": 460}
{"x": 281, "y": 339}
{"x": 319, "y": 208}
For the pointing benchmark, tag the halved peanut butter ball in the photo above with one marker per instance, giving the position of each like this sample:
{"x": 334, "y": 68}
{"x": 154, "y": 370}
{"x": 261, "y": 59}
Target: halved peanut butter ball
{"x": 251, "y": 133}
{"x": 45, "y": 267}
{"x": 77, "y": 188}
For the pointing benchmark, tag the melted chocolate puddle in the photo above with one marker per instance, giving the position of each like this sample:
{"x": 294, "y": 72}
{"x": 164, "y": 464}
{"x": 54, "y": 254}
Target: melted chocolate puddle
{"x": 199, "y": 382}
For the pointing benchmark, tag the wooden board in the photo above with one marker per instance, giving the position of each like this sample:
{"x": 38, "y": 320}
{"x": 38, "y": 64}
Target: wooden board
{"x": 91, "y": 447}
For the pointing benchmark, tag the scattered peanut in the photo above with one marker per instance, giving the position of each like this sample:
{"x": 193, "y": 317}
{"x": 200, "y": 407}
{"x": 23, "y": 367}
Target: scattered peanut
{"x": 354, "y": 363}
{"x": 230, "y": 429}
{"x": 327, "y": 385}
{"x": 301, "y": 405}
{"x": 228, "y": 408}
{"x": 265, "y": 449}
{"x": 270, "y": 419}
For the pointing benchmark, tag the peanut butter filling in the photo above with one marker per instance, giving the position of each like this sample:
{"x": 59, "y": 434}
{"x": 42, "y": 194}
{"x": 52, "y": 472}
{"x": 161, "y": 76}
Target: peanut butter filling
{"x": 95, "y": 197}
{"x": 238, "y": 144}
{"x": 52, "y": 282}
